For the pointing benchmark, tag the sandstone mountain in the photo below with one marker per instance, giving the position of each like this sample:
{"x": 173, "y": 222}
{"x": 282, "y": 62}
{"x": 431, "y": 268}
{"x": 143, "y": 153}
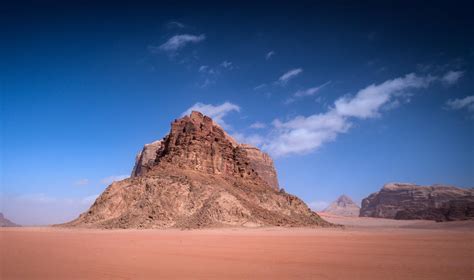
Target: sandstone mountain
{"x": 4, "y": 222}
{"x": 198, "y": 176}
{"x": 343, "y": 206}
{"x": 409, "y": 201}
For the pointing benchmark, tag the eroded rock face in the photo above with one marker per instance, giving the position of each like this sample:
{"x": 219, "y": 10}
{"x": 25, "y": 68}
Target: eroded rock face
{"x": 198, "y": 176}
{"x": 409, "y": 201}
{"x": 262, "y": 163}
{"x": 196, "y": 142}
{"x": 343, "y": 206}
{"x": 4, "y": 222}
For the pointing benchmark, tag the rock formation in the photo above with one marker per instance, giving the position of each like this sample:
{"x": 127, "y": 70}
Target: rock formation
{"x": 198, "y": 176}
{"x": 409, "y": 201}
{"x": 4, "y": 222}
{"x": 343, "y": 206}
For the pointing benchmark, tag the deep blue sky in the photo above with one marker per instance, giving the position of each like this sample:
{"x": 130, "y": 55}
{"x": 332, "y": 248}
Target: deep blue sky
{"x": 84, "y": 86}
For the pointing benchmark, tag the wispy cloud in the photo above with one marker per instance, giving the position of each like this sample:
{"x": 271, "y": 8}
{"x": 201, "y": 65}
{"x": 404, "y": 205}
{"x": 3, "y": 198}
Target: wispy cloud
{"x": 261, "y": 86}
{"x": 175, "y": 24}
{"x": 216, "y": 112}
{"x": 461, "y": 103}
{"x": 206, "y": 69}
{"x": 311, "y": 91}
{"x": 285, "y": 78}
{"x": 109, "y": 180}
{"x": 210, "y": 74}
{"x": 180, "y": 41}
{"x": 452, "y": 77}
{"x": 269, "y": 55}
{"x": 227, "y": 65}
{"x": 305, "y": 134}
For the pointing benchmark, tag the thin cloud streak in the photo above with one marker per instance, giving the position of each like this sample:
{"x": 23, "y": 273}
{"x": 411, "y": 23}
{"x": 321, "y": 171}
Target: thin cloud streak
{"x": 180, "y": 41}
{"x": 289, "y": 75}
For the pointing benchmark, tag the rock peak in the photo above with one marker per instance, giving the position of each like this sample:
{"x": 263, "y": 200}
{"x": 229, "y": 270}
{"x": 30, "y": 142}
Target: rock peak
{"x": 196, "y": 142}
{"x": 343, "y": 206}
{"x": 198, "y": 176}
{"x": 344, "y": 199}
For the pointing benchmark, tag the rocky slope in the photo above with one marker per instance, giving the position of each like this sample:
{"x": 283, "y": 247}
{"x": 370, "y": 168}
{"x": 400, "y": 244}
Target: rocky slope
{"x": 4, "y": 222}
{"x": 343, "y": 206}
{"x": 409, "y": 201}
{"x": 198, "y": 176}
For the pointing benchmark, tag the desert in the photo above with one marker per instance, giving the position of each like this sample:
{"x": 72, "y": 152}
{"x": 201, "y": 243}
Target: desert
{"x": 367, "y": 248}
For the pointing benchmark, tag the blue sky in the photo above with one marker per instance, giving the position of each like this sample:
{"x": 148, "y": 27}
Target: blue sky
{"x": 345, "y": 97}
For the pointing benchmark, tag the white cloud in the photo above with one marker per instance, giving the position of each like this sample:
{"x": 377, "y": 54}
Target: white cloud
{"x": 318, "y": 205}
{"x": 302, "y": 135}
{"x": 109, "y": 180}
{"x": 203, "y": 68}
{"x": 311, "y": 91}
{"x": 216, "y": 112}
{"x": 269, "y": 55}
{"x": 283, "y": 80}
{"x": 367, "y": 102}
{"x": 82, "y": 182}
{"x": 305, "y": 134}
{"x": 179, "y": 41}
{"x": 227, "y": 65}
{"x": 452, "y": 77}
{"x": 460, "y": 103}
{"x": 258, "y": 125}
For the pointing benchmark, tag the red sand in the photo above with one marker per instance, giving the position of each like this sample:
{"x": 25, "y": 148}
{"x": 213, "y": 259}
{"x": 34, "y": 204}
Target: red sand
{"x": 274, "y": 253}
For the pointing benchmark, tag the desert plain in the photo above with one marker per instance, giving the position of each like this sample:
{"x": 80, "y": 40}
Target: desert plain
{"x": 366, "y": 248}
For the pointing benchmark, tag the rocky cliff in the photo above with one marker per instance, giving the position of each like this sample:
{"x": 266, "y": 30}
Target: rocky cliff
{"x": 343, "y": 206}
{"x": 409, "y": 201}
{"x": 198, "y": 176}
{"x": 4, "y": 222}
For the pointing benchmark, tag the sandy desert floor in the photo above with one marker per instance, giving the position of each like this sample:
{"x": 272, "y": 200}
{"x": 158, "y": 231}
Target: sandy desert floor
{"x": 366, "y": 249}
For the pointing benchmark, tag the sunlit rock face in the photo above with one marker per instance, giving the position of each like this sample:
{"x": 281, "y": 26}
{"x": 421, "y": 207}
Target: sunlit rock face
{"x": 409, "y": 201}
{"x": 198, "y": 176}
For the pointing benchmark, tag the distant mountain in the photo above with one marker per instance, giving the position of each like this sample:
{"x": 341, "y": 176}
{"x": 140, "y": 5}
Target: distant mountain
{"x": 198, "y": 176}
{"x": 343, "y": 206}
{"x": 403, "y": 201}
{"x": 4, "y": 222}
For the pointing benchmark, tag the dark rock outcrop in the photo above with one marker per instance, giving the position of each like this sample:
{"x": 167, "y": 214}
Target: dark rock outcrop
{"x": 198, "y": 176}
{"x": 4, "y": 222}
{"x": 409, "y": 201}
{"x": 343, "y": 206}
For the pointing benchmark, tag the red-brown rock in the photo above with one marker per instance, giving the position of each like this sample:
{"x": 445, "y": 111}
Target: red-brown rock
{"x": 198, "y": 176}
